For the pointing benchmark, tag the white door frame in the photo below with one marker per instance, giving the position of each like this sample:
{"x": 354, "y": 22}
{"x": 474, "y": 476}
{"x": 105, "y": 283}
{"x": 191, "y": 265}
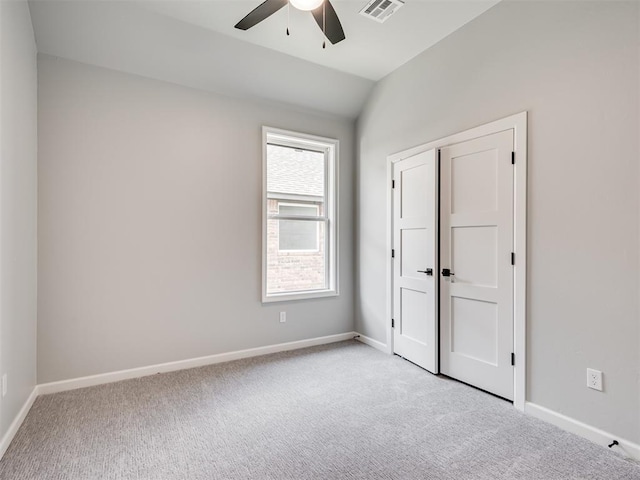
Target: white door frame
{"x": 517, "y": 123}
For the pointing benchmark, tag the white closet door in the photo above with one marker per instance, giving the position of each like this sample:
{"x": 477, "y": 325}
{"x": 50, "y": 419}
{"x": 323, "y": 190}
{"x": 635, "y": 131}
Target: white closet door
{"x": 476, "y": 278}
{"x": 415, "y": 334}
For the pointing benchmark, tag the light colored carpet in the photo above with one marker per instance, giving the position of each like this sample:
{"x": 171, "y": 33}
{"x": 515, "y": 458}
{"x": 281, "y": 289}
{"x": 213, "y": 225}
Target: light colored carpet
{"x": 343, "y": 411}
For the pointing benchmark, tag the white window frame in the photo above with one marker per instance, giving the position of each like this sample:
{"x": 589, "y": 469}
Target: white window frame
{"x": 308, "y": 205}
{"x": 330, "y": 147}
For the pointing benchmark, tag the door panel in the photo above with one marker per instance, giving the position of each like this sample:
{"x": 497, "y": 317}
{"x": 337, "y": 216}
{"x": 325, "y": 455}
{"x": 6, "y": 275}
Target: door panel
{"x": 413, "y": 194}
{"x": 473, "y": 329}
{"x": 413, "y": 258}
{"x": 414, "y": 305}
{"x": 476, "y": 226}
{"x": 415, "y": 334}
{"x": 468, "y": 194}
{"x": 475, "y": 254}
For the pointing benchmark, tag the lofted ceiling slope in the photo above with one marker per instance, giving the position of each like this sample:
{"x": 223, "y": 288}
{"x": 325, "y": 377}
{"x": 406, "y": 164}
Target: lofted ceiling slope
{"x": 193, "y": 43}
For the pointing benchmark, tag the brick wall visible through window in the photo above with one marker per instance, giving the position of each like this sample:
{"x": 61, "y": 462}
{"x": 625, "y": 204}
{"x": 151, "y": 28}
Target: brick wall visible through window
{"x": 290, "y": 270}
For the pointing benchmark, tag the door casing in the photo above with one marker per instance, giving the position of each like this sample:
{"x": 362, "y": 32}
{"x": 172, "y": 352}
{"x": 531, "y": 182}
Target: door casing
{"x": 517, "y": 123}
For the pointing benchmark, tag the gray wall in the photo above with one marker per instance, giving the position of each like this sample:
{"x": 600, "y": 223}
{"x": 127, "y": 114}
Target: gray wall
{"x": 150, "y": 223}
{"x": 18, "y": 207}
{"x": 574, "y": 67}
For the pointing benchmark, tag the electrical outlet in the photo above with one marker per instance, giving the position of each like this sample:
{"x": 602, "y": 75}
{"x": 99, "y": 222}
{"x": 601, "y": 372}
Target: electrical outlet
{"x": 594, "y": 379}
{"x": 4, "y": 384}
{"x": 283, "y": 317}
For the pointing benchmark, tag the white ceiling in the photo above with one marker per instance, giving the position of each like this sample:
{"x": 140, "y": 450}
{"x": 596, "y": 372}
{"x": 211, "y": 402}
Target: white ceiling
{"x": 194, "y": 43}
{"x": 371, "y": 49}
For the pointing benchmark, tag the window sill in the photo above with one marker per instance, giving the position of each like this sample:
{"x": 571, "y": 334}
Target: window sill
{"x": 288, "y": 297}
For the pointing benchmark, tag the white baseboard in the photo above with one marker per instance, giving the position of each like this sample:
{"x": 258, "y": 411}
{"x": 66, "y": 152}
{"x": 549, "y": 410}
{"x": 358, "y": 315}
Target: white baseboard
{"x": 15, "y": 425}
{"x": 600, "y": 437}
{"x": 111, "y": 377}
{"x": 627, "y": 448}
{"x": 372, "y": 343}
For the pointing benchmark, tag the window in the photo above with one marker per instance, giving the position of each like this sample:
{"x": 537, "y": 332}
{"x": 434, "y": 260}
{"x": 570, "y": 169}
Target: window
{"x": 299, "y": 212}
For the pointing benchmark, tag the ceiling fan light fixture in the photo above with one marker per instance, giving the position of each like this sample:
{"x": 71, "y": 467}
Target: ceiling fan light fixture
{"x": 322, "y": 12}
{"x": 306, "y": 5}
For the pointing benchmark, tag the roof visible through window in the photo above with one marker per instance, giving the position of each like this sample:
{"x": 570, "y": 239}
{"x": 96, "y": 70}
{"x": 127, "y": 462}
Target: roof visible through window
{"x": 295, "y": 171}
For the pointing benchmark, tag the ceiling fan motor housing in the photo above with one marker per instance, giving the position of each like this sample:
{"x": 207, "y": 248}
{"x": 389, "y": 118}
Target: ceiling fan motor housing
{"x": 306, "y": 5}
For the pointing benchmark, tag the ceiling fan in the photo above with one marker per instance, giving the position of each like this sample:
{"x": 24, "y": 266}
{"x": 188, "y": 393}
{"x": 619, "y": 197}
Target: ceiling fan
{"x": 322, "y": 11}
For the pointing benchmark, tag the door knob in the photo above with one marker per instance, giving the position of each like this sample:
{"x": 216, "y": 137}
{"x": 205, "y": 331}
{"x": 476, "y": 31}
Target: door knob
{"x": 428, "y": 271}
{"x": 447, "y": 273}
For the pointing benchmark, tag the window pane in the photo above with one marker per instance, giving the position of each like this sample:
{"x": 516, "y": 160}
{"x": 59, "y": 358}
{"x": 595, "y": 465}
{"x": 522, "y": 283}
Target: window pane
{"x": 296, "y": 255}
{"x": 294, "y": 173}
{"x": 298, "y": 235}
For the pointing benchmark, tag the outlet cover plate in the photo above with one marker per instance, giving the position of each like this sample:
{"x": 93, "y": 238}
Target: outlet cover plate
{"x": 594, "y": 379}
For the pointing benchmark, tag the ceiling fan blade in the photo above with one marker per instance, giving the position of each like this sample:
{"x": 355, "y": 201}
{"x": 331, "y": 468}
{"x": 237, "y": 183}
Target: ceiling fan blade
{"x": 332, "y": 26}
{"x": 261, "y": 12}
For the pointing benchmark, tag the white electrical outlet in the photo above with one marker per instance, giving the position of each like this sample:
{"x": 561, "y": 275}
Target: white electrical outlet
{"x": 4, "y": 384}
{"x": 283, "y": 317}
{"x": 594, "y": 379}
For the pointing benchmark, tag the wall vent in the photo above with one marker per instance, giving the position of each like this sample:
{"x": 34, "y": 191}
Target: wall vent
{"x": 381, "y": 10}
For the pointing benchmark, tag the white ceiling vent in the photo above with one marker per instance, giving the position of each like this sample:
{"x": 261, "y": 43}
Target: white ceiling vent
{"x": 380, "y": 10}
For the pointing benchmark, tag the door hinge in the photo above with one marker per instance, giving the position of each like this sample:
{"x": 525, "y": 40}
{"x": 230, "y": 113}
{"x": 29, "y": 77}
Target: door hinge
{"x": 513, "y": 258}
{"x": 393, "y": 184}
{"x": 393, "y": 323}
{"x": 393, "y": 253}
{"x": 513, "y": 359}
{"x": 513, "y": 158}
